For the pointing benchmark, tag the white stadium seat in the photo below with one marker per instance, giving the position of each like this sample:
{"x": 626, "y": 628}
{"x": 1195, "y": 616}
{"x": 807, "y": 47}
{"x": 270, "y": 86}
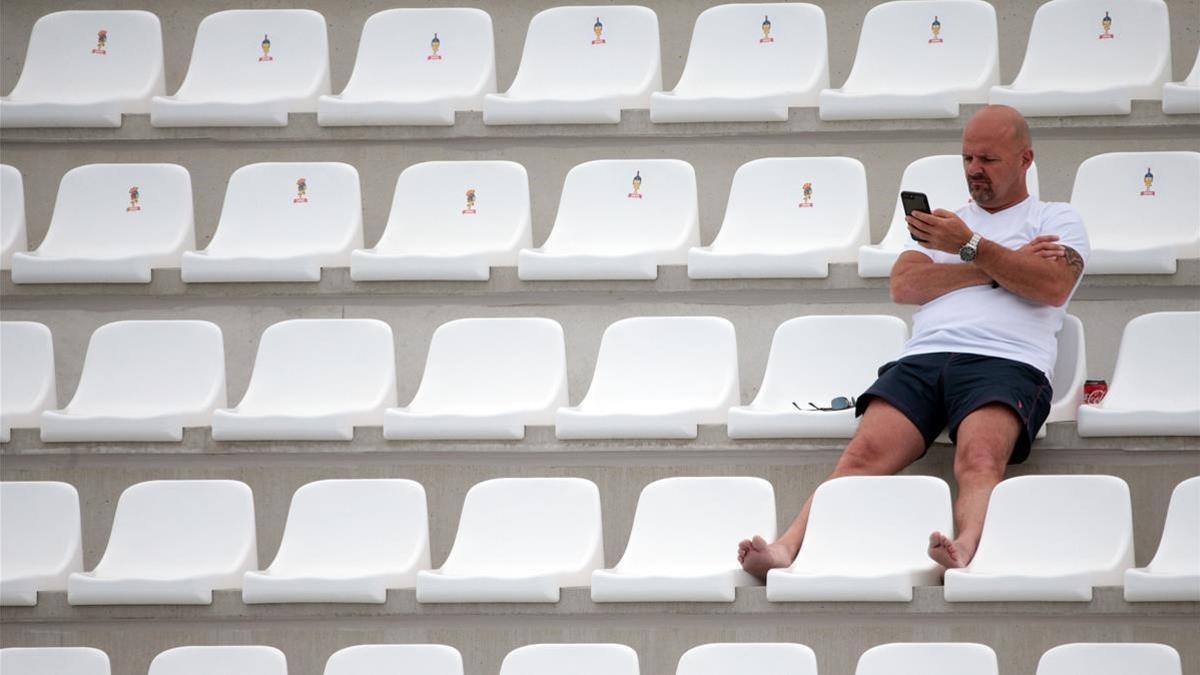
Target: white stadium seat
{"x": 54, "y": 661}
{"x": 87, "y": 69}
{"x": 12, "y": 215}
{"x": 1084, "y": 58}
{"x": 658, "y": 377}
{"x": 451, "y": 221}
{"x": 250, "y": 68}
{"x": 144, "y": 381}
{"x": 928, "y": 658}
{"x": 788, "y": 217}
{"x": 867, "y": 541}
{"x": 1049, "y": 539}
{"x": 1183, "y": 98}
{"x": 208, "y": 660}
{"x": 679, "y": 546}
{"x": 576, "y": 659}
{"x": 582, "y": 65}
{"x": 1070, "y": 373}
{"x": 814, "y": 359}
{"x": 40, "y": 543}
{"x": 918, "y": 60}
{"x": 942, "y": 179}
{"x": 1110, "y": 659}
{"x": 500, "y": 552}
{"x": 1155, "y": 190}
{"x": 749, "y": 63}
{"x": 416, "y": 66}
{"x": 486, "y": 379}
{"x": 113, "y": 223}
{"x": 761, "y": 658}
{"x": 27, "y": 377}
{"x": 384, "y": 659}
{"x": 314, "y": 379}
{"x": 282, "y": 221}
{"x": 619, "y": 219}
{"x": 1155, "y": 387}
{"x": 173, "y": 542}
{"x": 346, "y": 541}
{"x": 1174, "y": 573}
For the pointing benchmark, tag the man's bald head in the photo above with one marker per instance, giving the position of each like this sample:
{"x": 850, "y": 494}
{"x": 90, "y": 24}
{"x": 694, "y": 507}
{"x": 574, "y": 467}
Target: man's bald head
{"x": 997, "y": 150}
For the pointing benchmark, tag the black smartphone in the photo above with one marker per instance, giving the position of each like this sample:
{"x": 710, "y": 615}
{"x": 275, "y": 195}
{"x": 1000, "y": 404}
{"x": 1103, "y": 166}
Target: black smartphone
{"x": 914, "y": 201}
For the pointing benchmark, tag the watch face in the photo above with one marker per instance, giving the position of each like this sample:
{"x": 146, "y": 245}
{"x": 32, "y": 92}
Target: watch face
{"x": 967, "y": 253}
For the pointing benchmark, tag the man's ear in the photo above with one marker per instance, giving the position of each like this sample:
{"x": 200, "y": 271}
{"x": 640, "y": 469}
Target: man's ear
{"x": 1027, "y": 157}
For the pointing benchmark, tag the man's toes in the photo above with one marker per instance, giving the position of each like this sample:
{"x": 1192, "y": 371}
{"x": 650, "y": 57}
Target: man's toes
{"x": 935, "y": 540}
{"x": 758, "y": 543}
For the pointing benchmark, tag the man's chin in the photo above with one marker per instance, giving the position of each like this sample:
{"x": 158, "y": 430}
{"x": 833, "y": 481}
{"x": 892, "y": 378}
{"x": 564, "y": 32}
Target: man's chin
{"x": 983, "y": 197}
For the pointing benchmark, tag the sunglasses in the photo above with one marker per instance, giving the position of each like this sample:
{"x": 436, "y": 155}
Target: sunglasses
{"x": 838, "y": 403}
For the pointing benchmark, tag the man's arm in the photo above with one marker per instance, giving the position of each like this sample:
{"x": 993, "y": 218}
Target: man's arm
{"x": 916, "y": 279}
{"x": 1042, "y": 271}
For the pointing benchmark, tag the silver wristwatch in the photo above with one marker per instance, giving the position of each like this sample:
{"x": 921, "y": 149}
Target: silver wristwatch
{"x": 970, "y": 249}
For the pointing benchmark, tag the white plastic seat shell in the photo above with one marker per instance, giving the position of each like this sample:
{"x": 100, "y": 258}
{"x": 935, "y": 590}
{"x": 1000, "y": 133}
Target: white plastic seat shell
{"x": 451, "y": 221}
{"x": 28, "y": 384}
{"x": 173, "y": 542}
{"x": 1082, "y": 59}
{"x": 113, "y": 223}
{"x": 788, "y": 217}
{"x": 867, "y": 541}
{"x": 928, "y": 658}
{"x": 1155, "y": 387}
{"x": 87, "y": 69}
{"x": 919, "y": 60}
{"x": 1174, "y": 573}
{"x": 1070, "y": 373}
{"x": 13, "y": 237}
{"x": 852, "y": 347}
{"x": 657, "y": 377}
{"x": 1157, "y": 191}
{"x": 346, "y": 541}
{"x": 577, "y": 659}
{"x": 40, "y": 540}
{"x": 400, "y": 79}
{"x": 250, "y": 67}
{"x": 380, "y": 659}
{"x": 1183, "y": 98}
{"x": 678, "y": 548}
{"x": 496, "y": 555}
{"x": 582, "y": 65}
{"x": 1112, "y": 658}
{"x": 618, "y": 219}
{"x": 247, "y": 660}
{"x": 942, "y": 179}
{"x": 282, "y": 221}
{"x": 54, "y": 661}
{"x": 143, "y": 381}
{"x": 314, "y": 379}
{"x": 764, "y": 658}
{"x": 734, "y": 73}
{"x": 486, "y": 379}
{"x": 1049, "y": 539}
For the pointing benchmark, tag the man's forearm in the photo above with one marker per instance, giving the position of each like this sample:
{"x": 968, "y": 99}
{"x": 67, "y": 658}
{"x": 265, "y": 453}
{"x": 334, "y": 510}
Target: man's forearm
{"x": 1028, "y": 276}
{"x": 917, "y": 284}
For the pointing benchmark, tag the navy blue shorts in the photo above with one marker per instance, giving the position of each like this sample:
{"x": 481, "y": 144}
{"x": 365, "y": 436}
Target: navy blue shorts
{"x": 936, "y": 391}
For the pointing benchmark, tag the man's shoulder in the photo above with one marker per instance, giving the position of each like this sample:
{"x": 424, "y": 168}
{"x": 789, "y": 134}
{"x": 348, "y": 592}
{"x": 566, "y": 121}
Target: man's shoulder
{"x": 1059, "y": 211}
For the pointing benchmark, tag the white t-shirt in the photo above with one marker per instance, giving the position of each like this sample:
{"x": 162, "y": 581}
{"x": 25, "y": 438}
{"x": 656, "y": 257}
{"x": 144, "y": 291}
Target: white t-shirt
{"x": 992, "y": 321}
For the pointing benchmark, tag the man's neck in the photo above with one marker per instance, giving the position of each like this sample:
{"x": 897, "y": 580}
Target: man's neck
{"x": 995, "y": 208}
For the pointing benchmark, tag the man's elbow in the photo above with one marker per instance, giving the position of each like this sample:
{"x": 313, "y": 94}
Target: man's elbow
{"x": 902, "y": 292}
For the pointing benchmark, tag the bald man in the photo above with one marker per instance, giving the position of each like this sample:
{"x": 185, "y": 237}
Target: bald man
{"x": 992, "y": 280}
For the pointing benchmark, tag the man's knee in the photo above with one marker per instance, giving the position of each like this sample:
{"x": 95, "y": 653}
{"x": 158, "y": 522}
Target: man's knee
{"x": 865, "y": 456}
{"x": 980, "y": 459}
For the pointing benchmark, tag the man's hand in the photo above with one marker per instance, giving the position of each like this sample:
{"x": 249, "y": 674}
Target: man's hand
{"x": 1044, "y": 246}
{"x": 940, "y": 230}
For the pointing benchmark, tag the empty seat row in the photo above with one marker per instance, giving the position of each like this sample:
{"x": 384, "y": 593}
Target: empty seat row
{"x": 731, "y": 658}
{"x": 1046, "y": 538}
{"x": 490, "y": 378}
{"x": 617, "y": 219}
{"x": 747, "y": 62}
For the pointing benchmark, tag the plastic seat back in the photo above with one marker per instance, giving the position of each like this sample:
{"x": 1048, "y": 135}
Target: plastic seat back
{"x": 1110, "y": 659}
{"x": 929, "y": 658}
{"x": 1158, "y": 366}
{"x": 12, "y": 215}
{"x": 209, "y": 660}
{"x": 762, "y": 658}
{"x": 1070, "y": 371}
{"x": 27, "y": 376}
{"x": 39, "y": 532}
{"x": 53, "y": 661}
{"x": 383, "y": 659}
{"x": 577, "y": 659}
{"x": 1179, "y": 549}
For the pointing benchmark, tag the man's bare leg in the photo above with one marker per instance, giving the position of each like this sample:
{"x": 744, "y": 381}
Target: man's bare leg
{"x": 985, "y": 442}
{"x": 885, "y": 443}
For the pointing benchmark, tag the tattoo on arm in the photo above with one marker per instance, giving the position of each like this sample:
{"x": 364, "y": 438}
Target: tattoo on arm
{"x": 1074, "y": 260}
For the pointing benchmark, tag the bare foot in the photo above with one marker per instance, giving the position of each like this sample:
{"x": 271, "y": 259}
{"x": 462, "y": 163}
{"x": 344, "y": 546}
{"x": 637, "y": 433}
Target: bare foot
{"x": 758, "y": 557}
{"x": 948, "y": 553}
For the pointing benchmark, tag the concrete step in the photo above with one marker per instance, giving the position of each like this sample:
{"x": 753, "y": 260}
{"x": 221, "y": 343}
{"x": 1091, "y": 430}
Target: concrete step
{"x": 660, "y": 632}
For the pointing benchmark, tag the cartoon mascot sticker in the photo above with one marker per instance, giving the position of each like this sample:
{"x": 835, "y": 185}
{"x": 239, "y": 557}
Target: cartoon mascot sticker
{"x": 1148, "y": 182}
{"x": 470, "y": 210}
{"x": 101, "y": 43}
{"x": 266, "y": 50}
{"x": 435, "y": 44}
{"x": 637, "y": 186}
{"x": 936, "y": 29}
{"x": 135, "y": 198}
{"x": 598, "y": 28}
{"x": 766, "y": 29}
{"x": 1106, "y": 23}
{"x": 806, "y": 199}
{"x": 301, "y": 192}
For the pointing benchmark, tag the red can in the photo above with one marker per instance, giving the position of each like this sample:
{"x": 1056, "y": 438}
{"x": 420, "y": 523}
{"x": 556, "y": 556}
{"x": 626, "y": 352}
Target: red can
{"x": 1094, "y": 391}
